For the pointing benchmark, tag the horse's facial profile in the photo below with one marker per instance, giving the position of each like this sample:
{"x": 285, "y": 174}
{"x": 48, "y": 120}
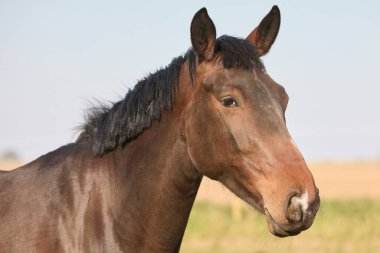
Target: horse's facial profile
{"x": 236, "y": 132}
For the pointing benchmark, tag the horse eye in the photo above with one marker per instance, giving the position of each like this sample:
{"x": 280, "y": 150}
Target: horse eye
{"x": 229, "y": 101}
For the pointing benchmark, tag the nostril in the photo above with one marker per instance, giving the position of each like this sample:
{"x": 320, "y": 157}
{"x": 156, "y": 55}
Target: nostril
{"x": 293, "y": 208}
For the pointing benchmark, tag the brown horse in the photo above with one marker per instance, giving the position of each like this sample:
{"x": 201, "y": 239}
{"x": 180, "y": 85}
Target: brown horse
{"x": 129, "y": 182}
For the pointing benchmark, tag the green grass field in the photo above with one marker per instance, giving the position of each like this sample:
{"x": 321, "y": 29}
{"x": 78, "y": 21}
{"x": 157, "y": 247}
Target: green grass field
{"x": 340, "y": 226}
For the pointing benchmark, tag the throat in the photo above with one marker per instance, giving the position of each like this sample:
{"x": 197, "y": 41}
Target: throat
{"x": 157, "y": 200}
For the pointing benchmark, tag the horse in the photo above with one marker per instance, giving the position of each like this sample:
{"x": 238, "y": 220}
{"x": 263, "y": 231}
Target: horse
{"x": 129, "y": 181}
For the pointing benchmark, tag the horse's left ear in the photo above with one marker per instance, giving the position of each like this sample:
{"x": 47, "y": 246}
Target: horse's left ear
{"x": 203, "y": 35}
{"x": 265, "y": 34}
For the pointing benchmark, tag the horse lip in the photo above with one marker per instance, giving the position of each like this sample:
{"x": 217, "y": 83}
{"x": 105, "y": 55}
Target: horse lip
{"x": 276, "y": 229}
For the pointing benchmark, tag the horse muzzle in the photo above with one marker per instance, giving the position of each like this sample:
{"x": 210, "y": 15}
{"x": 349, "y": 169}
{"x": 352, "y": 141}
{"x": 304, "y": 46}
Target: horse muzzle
{"x": 299, "y": 216}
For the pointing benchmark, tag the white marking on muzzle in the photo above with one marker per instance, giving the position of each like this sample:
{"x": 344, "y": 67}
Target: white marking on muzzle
{"x": 303, "y": 201}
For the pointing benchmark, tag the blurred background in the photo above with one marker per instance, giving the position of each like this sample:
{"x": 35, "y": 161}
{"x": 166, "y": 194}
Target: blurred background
{"x": 57, "y": 57}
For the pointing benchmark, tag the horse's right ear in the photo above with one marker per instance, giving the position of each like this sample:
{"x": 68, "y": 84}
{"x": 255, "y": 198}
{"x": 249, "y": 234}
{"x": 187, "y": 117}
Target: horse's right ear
{"x": 203, "y": 35}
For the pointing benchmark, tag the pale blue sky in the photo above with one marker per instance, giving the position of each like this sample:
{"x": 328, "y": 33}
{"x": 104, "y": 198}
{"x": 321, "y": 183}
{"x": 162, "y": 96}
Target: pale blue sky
{"x": 56, "y": 56}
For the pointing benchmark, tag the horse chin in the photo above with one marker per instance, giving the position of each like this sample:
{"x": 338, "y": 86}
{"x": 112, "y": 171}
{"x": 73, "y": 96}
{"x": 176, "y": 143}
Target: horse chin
{"x": 276, "y": 229}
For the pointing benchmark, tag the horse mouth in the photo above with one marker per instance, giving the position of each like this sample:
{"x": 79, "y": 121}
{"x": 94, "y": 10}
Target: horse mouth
{"x": 276, "y": 229}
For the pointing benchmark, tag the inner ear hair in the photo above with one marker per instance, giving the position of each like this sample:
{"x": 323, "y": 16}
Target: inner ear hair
{"x": 265, "y": 34}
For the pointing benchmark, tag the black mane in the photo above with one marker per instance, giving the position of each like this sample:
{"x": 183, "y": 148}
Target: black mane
{"x": 110, "y": 126}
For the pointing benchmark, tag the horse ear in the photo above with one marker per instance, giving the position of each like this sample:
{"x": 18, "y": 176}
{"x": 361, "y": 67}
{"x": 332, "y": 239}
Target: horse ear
{"x": 203, "y": 35}
{"x": 265, "y": 34}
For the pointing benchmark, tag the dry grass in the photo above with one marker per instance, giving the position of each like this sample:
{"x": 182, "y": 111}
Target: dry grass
{"x": 334, "y": 179}
{"x": 341, "y": 226}
{"x": 10, "y": 165}
{"x": 347, "y": 180}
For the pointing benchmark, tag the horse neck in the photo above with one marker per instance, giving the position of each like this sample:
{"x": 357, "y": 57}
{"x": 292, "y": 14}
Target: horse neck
{"x": 159, "y": 184}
